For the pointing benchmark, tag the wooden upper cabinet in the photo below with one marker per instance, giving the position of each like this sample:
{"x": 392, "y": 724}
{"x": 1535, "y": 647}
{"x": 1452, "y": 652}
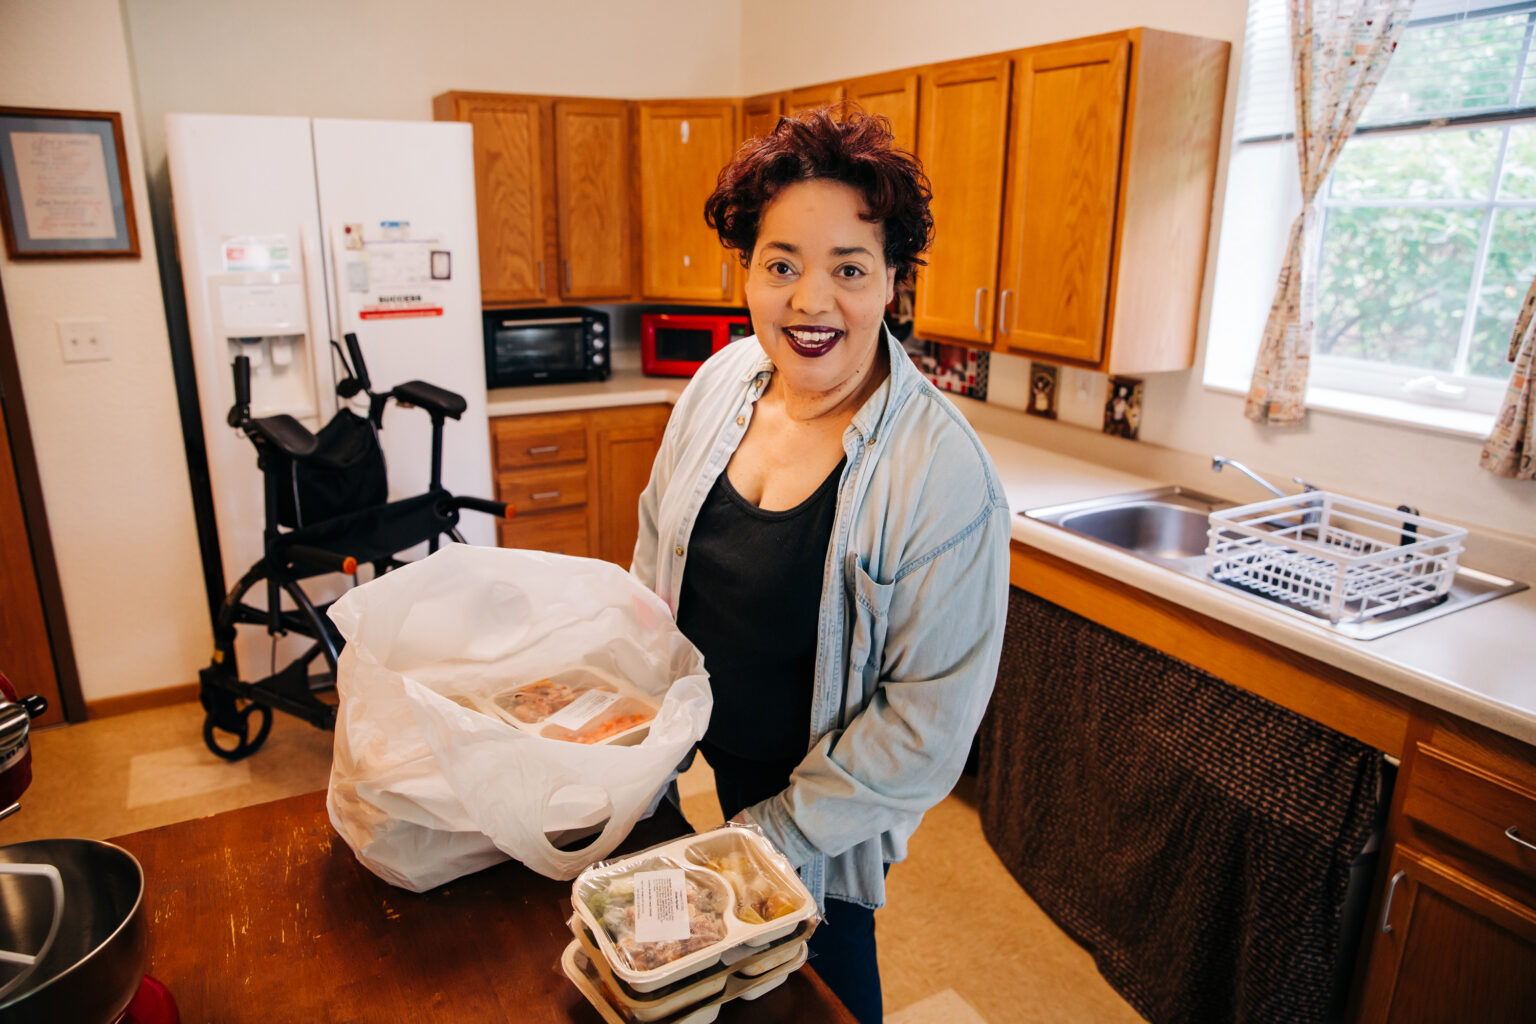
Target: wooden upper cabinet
{"x": 1112, "y": 169}
{"x": 510, "y": 189}
{"x": 963, "y": 144}
{"x": 800, "y": 101}
{"x": 893, "y": 96}
{"x": 760, "y": 115}
{"x": 683, "y": 146}
{"x": 592, "y": 187}
{"x": 1063, "y": 182}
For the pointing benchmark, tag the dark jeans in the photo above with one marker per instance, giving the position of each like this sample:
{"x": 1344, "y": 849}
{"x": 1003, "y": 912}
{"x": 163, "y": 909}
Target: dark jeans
{"x": 842, "y": 949}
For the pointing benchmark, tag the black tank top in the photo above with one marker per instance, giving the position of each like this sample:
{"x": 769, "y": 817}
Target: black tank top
{"x": 750, "y": 602}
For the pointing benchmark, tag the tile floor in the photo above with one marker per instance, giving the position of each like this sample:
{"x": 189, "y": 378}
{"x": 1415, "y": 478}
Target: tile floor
{"x": 960, "y": 942}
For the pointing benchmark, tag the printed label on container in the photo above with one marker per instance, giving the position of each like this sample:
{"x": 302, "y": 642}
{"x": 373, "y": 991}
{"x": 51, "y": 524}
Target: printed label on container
{"x": 583, "y": 709}
{"x": 661, "y": 906}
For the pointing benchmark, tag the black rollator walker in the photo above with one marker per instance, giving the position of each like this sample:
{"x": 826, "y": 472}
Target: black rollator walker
{"x": 327, "y": 510}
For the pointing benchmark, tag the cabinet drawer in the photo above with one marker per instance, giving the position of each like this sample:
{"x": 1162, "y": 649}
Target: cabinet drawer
{"x": 1474, "y": 807}
{"x": 534, "y": 490}
{"x": 564, "y": 533}
{"x": 539, "y": 440}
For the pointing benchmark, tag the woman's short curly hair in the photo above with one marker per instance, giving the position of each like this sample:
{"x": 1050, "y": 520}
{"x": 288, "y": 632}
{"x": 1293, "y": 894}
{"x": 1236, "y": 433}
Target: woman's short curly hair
{"x": 839, "y": 143}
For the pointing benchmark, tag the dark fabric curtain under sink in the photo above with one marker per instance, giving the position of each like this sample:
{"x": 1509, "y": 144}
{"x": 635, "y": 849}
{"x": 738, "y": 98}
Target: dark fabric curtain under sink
{"x": 1195, "y": 838}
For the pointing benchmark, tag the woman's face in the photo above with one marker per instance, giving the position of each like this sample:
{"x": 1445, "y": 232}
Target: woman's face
{"x": 818, "y": 286}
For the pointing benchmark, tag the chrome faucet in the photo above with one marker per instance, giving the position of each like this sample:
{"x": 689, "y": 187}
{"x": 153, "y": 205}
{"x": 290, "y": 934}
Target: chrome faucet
{"x": 1218, "y": 461}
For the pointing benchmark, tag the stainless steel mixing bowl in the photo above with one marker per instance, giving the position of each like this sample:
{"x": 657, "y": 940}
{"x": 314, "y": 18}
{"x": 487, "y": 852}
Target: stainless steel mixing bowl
{"x": 100, "y": 951}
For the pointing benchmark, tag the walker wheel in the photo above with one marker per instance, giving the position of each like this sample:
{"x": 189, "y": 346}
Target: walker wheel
{"x": 244, "y": 744}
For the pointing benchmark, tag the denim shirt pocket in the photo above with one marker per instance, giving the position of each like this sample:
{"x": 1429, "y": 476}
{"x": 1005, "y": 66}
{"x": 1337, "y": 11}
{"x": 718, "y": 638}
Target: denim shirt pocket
{"x": 871, "y": 606}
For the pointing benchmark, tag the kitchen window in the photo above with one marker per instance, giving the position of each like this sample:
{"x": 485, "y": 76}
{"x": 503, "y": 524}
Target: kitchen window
{"x": 1429, "y": 219}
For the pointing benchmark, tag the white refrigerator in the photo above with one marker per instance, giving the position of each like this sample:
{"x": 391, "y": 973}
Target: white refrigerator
{"x": 294, "y": 231}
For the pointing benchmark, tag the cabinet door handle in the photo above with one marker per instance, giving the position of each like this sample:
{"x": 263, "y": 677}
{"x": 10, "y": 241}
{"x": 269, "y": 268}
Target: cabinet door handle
{"x": 567, "y": 274}
{"x": 541, "y": 277}
{"x": 1002, "y": 311}
{"x": 1513, "y": 835}
{"x": 725, "y": 273}
{"x": 976, "y": 312}
{"x": 544, "y": 449}
{"x": 1386, "y": 911}
{"x": 544, "y": 496}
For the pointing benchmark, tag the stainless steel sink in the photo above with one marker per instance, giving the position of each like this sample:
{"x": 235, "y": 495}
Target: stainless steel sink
{"x": 1169, "y": 526}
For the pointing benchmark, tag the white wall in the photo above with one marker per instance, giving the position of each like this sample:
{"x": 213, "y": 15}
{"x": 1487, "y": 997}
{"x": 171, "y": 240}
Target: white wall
{"x": 388, "y": 58}
{"x": 802, "y": 42}
{"x": 107, "y": 434}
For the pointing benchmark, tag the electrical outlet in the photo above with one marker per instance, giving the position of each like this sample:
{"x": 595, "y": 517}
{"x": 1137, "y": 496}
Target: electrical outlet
{"x": 84, "y": 340}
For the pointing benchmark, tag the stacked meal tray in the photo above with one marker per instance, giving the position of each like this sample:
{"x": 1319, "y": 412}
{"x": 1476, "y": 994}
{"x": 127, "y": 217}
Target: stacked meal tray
{"x": 672, "y": 933}
{"x": 579, "y": 705}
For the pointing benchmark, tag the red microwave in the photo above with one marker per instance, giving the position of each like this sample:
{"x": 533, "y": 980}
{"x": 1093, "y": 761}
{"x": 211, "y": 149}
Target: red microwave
{"x": 676, "y": 344}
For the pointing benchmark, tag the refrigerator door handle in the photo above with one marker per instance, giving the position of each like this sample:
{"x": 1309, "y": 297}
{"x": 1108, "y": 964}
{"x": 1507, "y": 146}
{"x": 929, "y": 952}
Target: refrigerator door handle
{"x": 319, "y": 326}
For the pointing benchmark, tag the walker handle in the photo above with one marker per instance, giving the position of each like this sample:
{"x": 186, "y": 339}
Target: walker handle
{"x": 242, "y": 407}
{"x": 359, "y": 368}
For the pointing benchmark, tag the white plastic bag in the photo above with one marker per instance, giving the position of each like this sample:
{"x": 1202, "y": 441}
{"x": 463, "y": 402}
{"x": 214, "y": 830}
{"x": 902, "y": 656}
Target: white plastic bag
{"x": 425, "y": 790}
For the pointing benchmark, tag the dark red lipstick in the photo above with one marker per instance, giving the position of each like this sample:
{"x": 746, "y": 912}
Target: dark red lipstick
{"x": 812, "y": 340}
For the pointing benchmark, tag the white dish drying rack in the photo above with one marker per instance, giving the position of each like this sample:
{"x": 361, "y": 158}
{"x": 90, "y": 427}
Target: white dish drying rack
{"x": 1336, "y": 557}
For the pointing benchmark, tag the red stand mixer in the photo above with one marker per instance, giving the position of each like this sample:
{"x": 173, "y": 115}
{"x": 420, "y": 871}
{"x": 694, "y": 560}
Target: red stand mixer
{"x": 72, "y": 940}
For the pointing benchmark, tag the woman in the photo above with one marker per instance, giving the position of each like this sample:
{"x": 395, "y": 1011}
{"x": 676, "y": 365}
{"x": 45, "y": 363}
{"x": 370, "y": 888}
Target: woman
{"x": 829, "y": 532}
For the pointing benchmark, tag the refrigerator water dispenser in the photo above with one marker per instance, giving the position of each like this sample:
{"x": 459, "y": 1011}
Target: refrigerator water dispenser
{"x": 263, "y": 316}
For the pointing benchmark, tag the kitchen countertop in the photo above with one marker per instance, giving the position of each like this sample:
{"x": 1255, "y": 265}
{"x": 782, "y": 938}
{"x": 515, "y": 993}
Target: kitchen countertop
{"x": 1475, "y": 663}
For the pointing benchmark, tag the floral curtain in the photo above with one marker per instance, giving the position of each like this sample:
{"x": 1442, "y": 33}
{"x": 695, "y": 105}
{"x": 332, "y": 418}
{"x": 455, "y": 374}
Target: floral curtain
{"x": 1511, "y": 449}
{"x": 1339, "y": 51}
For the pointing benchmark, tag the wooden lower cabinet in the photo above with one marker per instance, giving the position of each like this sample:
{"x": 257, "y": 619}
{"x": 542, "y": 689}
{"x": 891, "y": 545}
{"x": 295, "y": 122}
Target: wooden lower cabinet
{"x": 1448, "y": 948}
{"x": 1453, "y": 936}
{"x": 575, "y": 478}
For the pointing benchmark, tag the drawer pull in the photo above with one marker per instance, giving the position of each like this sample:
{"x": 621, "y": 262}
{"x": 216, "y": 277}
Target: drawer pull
{"x": 1514, "y": 836}
{"x": 544, "y": 496}
{"x": 544, "y": 449}
{"x": 1386, "y": 911}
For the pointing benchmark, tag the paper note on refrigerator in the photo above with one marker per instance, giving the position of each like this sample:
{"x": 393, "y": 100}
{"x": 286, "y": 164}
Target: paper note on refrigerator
{"x": 392, "y": 271}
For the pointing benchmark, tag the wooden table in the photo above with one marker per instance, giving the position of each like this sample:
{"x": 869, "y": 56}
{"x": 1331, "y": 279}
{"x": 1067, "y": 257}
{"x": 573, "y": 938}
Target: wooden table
{"x": 264, "y": 914}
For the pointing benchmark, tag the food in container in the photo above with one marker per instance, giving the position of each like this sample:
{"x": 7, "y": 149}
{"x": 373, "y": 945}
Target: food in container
{"x": 580, "y": 704}
{"x": 760, "y": 897}
{"x": 614, "y": 723}
{"x": 535, "y": 702}
{"x": 612, "y": 902}
{"x": 741, "y": 892}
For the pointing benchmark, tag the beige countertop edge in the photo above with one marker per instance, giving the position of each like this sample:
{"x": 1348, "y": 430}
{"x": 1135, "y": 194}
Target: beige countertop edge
{"x": 1473, "y": 663}
{"x": 625, "y": 387}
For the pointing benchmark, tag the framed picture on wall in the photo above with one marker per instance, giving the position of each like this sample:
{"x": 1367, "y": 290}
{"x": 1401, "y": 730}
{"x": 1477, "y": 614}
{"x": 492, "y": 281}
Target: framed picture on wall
{"x": 64, "y": 187}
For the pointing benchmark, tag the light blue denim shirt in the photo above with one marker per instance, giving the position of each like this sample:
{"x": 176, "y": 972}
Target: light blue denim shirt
{"x": 912, "y": 608}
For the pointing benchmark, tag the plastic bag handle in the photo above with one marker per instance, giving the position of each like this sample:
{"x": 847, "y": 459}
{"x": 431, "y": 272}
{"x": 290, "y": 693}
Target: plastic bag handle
{"x": 30, "y": 961}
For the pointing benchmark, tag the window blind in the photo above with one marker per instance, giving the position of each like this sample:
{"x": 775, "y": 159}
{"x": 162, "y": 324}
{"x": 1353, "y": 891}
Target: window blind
{"x": 1456, "y": 58}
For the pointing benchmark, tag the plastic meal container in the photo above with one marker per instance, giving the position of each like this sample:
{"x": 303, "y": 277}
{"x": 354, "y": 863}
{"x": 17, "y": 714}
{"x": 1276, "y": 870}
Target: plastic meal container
{"x": 696, "y": 988}
{"x": 740, "y": 891}
{"x": 580, "y": 969}
{"x": 580, "y": 704}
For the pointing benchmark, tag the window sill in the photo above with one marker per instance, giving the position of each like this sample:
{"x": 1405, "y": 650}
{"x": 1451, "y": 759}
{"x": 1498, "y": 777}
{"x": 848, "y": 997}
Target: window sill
{"x": 1415, "y": 415}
